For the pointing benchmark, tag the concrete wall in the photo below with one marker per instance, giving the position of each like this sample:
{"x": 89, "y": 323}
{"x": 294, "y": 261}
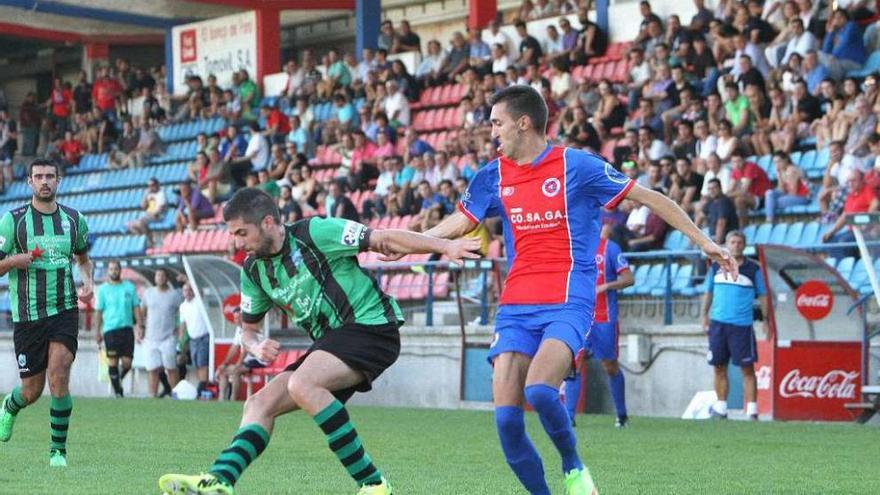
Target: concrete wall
{"x": 427, "y": 374}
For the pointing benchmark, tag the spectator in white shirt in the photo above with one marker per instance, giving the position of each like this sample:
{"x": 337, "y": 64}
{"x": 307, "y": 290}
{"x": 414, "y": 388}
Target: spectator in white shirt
{"x": 494, "y": 36}
{"x": 802, "y": 42}
{"x": 295, "y": 77}
{"x": 553, "y": 43}
{"x": 500, "y": 60}
{"x": 366, "y": 64}
{"x": 396, "y": 104}
{"x": 154, "y": 204}
{"x": 428, "y": 70}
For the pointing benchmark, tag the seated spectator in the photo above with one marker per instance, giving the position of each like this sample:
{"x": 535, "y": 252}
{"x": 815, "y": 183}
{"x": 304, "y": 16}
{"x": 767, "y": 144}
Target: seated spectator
{"x": 415, "y": 146}
{"x": 719, "y": 212}
{"x": 277, "y": 124}
{"x": 610, "y": 111}
{"x": 456, "y": 60}
{"x": 750, "y": 185}
{"x": 154, "y": 205}
{"x": 192, "y": 207}
{"x": 71, "y": 149}
{"x": 542, "y": 9}
{"x": 432, "y": 208}
{"x": 728, "y": 143}
{"x": 843, "y": 48}
{"x": 580, "y": 133}
{"x": 396, "y": 105}
{"x": 863, "y": 126}
{"x": 530, "y": 51}
{"x": 792, "y": 188}
{"x": 591, "y": 42}
{"x": 653, "y": 178}
{"x": 685, "y": 144}
{"x": 647, "y": 117}
{"x": 338, "y": 205}
{"x": 686, "y": 185}
{"x": 290, "y": 209}
{"x": 650, "y": 149}
{"x": 647, "y": 17}
{"x": 232, "y": 145}
{"x": 653, "y": 235}
{"x": 837, "y": 172}
{"x": 216, "y": 181}
{"x": 248, "y": 95}
{"x": 257, "y": 155}
{"x": 859, "y": 199}
{"x": 123, "y": 152}
{"x": 387, "y": 36}
{"x": 406, "y": 40}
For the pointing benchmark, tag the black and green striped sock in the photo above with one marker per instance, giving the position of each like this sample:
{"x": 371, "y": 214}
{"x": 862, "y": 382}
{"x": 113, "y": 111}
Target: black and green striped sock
{"x": 346, "y": 444}
{"x": 59, "y": 420}
{"x": 15, "y": 402}
{"x": 249, "y": 442}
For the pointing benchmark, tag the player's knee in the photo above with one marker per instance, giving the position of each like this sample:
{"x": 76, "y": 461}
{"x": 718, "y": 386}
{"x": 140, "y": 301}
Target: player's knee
{"x": 300, "y": 389}
{"x": 510, "y": 421}
{"x": 541, "y": 396}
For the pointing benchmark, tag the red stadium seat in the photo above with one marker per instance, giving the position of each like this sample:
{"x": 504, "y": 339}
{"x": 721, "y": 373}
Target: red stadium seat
{"x": 441, "y": 285}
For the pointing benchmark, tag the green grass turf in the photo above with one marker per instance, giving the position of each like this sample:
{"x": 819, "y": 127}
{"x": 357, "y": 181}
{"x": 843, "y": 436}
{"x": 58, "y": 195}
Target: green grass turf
{"x": 122, "y": 447}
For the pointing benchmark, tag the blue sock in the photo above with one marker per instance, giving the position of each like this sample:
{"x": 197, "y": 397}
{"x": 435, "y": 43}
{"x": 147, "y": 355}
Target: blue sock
{"x": 572, "y": 394}
{"x": 519, "y": 452}
{"x": 545, "y": 400}
{"x": 618, "y": 392}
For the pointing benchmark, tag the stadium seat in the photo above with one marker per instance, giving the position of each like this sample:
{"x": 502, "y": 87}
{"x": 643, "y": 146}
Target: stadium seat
{"x": 845, "y": 267}
{"x": 655, "y": 274}
{"x": 777, "y": 235}
{"x": 762, "y": 235}
{"x": 659, "y": 288}
{"x": 793, "y": 235}
{"x": 871, "y": 66}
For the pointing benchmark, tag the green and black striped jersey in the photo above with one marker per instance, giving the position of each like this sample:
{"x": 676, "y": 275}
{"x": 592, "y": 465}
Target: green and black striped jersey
{"x": 316, "y": 279}
{"x": 45, "y": 288}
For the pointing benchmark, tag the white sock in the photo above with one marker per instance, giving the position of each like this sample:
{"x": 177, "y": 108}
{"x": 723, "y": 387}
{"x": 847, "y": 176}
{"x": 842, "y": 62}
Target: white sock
{"x": 752, "y": 408}
{"x": 720, "y": 406}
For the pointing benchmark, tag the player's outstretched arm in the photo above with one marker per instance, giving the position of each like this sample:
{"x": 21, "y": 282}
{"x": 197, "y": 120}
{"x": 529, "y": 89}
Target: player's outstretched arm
{"x": 406, "y": 242}
{"x": 452, "y": 227}
{"x": 669, "y": 211}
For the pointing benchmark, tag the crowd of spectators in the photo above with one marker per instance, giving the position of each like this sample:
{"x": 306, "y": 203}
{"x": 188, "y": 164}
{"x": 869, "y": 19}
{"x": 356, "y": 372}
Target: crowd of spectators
{"x": 698, "y": 101}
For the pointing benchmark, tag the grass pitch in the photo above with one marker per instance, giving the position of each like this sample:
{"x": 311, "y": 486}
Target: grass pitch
{"x": 122, "y": 447}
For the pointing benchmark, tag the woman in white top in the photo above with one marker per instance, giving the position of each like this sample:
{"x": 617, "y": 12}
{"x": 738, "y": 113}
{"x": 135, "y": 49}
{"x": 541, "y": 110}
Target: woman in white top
{"x": 727, "y": 142}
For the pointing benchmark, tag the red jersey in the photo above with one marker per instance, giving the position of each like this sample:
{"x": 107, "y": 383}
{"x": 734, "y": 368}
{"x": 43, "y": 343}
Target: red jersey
{"x": 61, "y": 102}
{"x": 104, "y": 93}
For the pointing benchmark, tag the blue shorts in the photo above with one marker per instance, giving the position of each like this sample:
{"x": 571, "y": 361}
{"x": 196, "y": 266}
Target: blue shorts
{"x": 602, "y": 341}
{"x": 732, "y": 343}
{"x": 522, "y": 329}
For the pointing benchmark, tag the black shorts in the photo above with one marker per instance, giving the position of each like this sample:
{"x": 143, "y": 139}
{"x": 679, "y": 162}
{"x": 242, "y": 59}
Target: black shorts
{"x": 31, "y": 340}
{"x": 119, "y": 342}
{"x": 370, "y": 349}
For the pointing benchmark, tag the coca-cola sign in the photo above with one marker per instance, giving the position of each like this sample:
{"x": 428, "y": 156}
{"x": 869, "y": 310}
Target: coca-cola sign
{"x": 230, "y": 304}
{"x": 814, "y": 300}
{"x": 835, "y": 384}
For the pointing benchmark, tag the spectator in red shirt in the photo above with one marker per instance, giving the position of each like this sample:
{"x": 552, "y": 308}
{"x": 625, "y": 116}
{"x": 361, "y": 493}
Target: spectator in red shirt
{"x": 363, "y": 161}
{"x": 861, "y": 199}
{"x": 792, "y": 189}
{"x": 104, "y": 93}
{"x": 277, "y": 124}
{"x": 750, "y": 184}
{"x": 59, "y": 102}
{"x": 71, "y": 149}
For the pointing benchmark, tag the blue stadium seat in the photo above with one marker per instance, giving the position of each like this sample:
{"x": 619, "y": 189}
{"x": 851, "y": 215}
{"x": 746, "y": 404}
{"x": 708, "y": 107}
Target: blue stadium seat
{"x": 859, "y": 275}
{"x": 672, "y": 241}
{"x": 807, "y": 161}
{"x": 845, "y": 266}
{"x": 762, "y": 235}
{"x": 660, "y": 288}
{"x": 656, "y": 274}
{"x": 766, "y": 162}
{"x": 870, "y": 66}
{"x": 793, "y": 236}
{"x": 683, "y": 279}
{"x": 749, "y": 232}
{"x": 777, "y": 236}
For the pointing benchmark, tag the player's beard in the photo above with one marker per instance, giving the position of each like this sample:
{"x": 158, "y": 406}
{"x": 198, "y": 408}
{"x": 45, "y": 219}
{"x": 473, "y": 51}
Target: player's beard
{"x": 264, "y": 248}
{"x": 116, "y": 278}
{"x": 44, "y": 196}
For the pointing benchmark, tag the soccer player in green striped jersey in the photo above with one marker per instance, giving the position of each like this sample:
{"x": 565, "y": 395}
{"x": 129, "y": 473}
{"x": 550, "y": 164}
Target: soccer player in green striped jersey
{"x": 37, "y": 243}
{"x": 310, "y": 271}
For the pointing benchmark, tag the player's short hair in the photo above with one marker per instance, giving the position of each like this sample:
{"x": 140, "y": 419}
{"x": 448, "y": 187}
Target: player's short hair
{"x": 44, "y": 162}
{"x": 522, "y": 99}
{"x": 114, "y": 262}
{"x": 735, "y": 233}
{"x": 251, "y": 205}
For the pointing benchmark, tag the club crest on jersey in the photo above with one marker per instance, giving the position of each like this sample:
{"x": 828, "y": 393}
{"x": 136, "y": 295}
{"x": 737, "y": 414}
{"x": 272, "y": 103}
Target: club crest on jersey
{"x": 600, "y": 259}
{"x": 507, "y": 191}
{"x": 615, "y": 176}
{"x": 22, "y": 360}
{"x": 551, "y": 187}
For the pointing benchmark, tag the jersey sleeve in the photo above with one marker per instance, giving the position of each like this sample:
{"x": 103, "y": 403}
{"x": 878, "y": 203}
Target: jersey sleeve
{"x": 710, "y": 278}
{"x": 81, "y": 243}
{"x": 481, "y": 198}
{"x": 254, "y": 302}
{"x": 616, "y": 258}
{"x": 136, "y": 301}
{"x": 596, "y": 178}
{"x": 337, "y": 237}
{"x": 760, "y": 288}
{"x": 7, "y": 234}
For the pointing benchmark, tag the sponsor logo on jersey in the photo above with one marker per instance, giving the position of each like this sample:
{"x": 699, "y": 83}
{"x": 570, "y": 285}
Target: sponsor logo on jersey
{"x": 22, "y": 360}
{"x": 246, "y": 303}
{"x": 352, "y": 233}
{"x": 551, "y": 187}
{"x": 507, "y": 191}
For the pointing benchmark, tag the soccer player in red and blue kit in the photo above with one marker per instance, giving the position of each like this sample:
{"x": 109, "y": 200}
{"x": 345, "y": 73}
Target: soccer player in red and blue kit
{"x": 549, "y": 200}
{"x": 613, "y": 274}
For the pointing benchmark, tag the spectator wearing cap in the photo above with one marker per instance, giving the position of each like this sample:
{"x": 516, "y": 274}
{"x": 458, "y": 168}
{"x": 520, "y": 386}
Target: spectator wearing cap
{"x": 750, "y": 185}
{"x": 859, "y": 199}
{"x": 792, "y": 188}
{"x": 843, "y": 48}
